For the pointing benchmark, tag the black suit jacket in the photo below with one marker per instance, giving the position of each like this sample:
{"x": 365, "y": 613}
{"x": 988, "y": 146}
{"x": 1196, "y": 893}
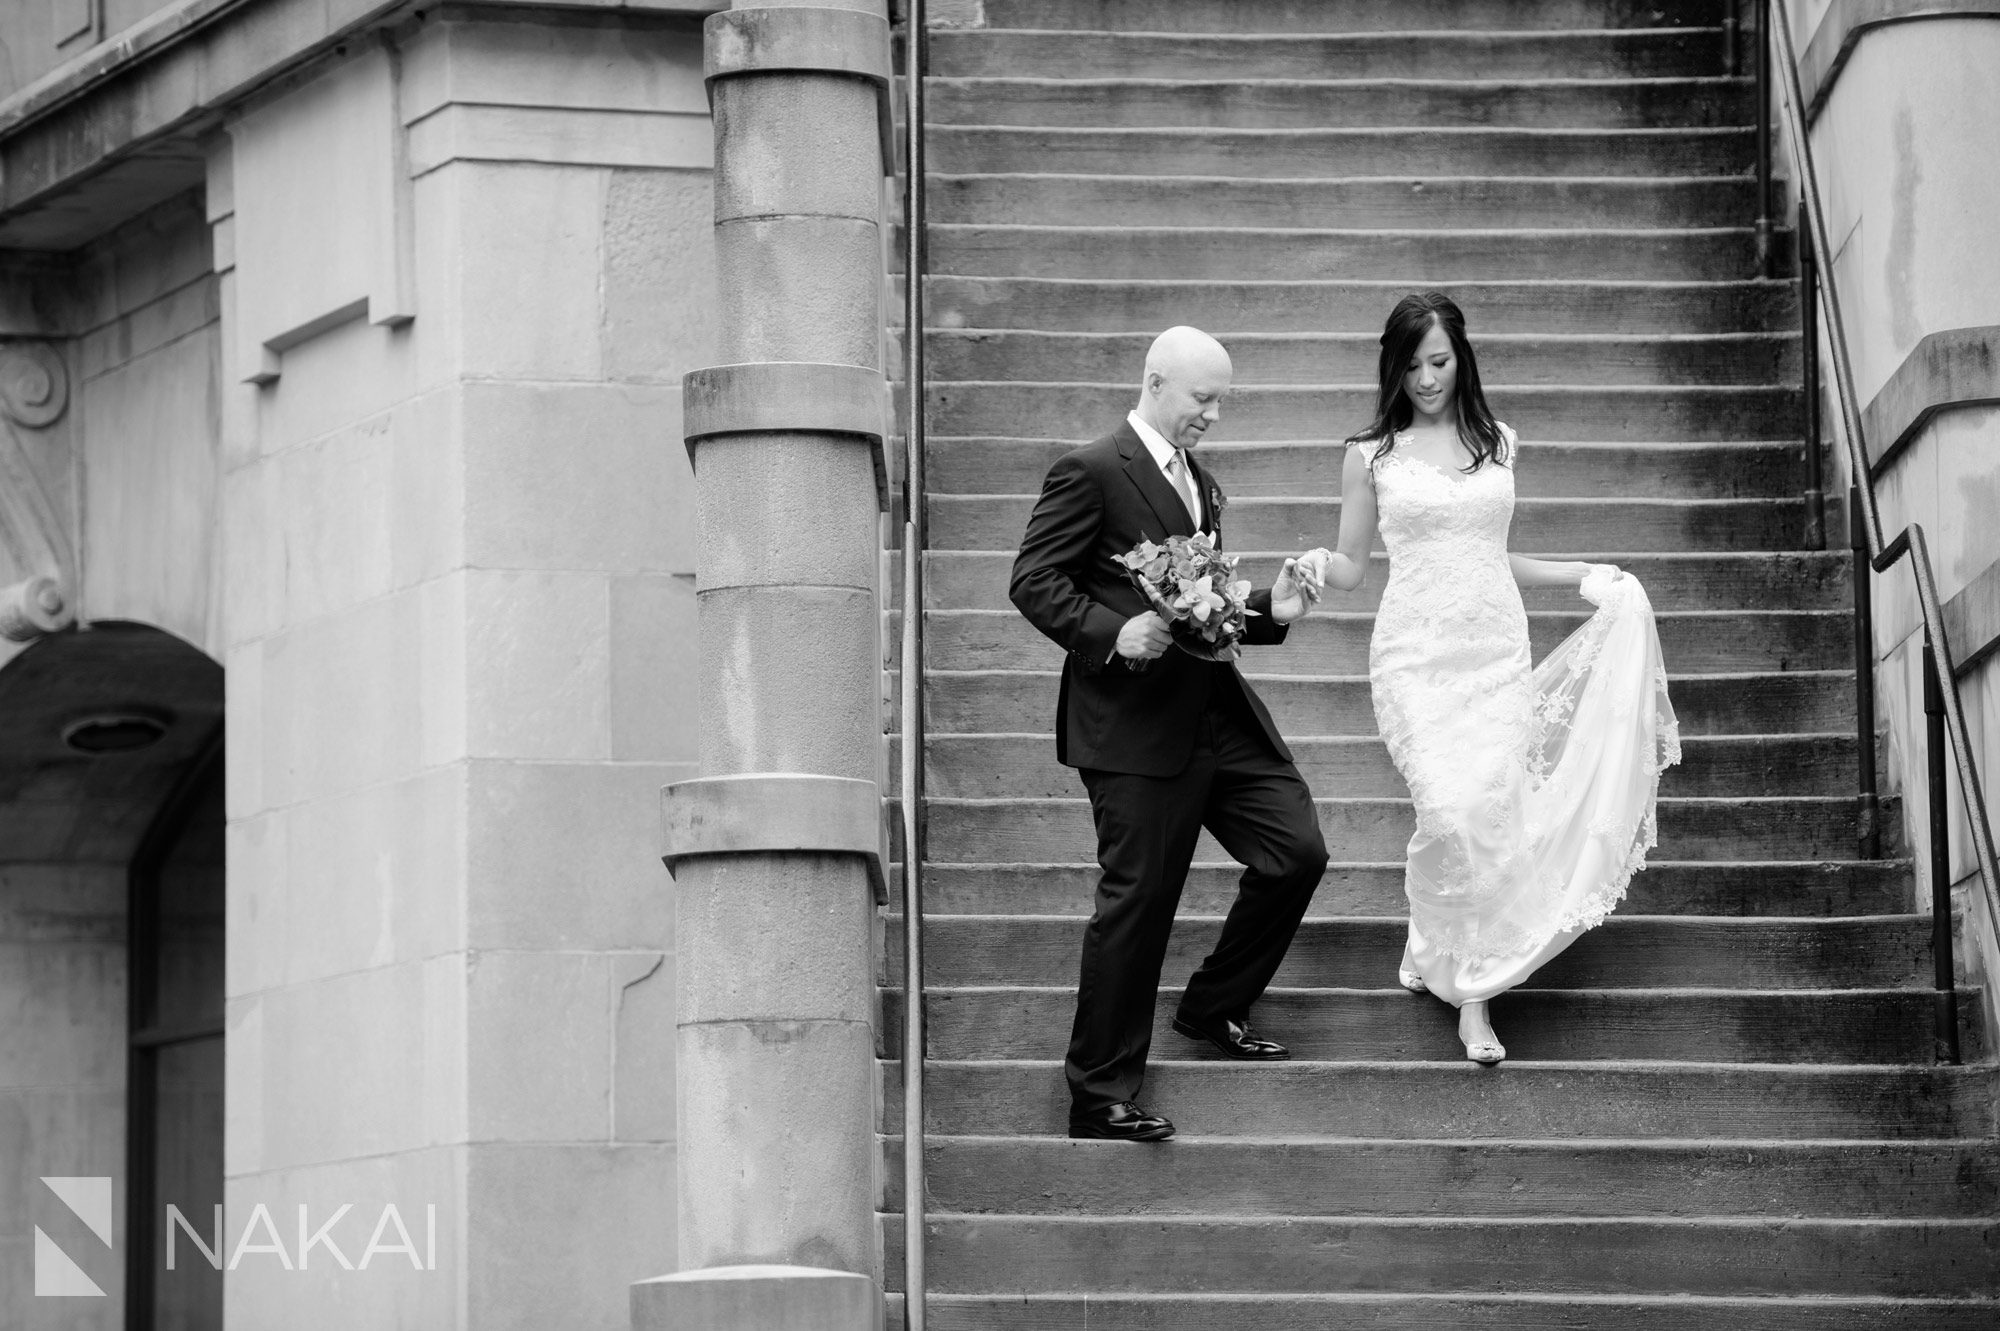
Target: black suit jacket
{"x": 1097, "y": 503}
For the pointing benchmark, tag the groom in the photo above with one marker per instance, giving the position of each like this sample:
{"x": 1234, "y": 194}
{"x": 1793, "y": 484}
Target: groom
{"x": 1166, "y": 743}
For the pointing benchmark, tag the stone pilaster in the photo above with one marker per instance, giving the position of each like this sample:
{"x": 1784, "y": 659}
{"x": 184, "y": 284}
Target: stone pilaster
{"x": 776, "y": 858}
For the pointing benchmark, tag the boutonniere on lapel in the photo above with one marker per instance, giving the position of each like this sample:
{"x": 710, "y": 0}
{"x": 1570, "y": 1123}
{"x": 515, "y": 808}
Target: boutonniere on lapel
{"x": 1217, "y": 501}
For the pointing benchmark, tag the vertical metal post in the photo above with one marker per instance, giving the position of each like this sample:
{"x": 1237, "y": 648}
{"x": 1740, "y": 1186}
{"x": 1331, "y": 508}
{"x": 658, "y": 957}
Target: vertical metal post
{"x": 1766, "y": 257}
{"x": 915, "y": 1302}
{"x": 1809, "y": 363}
{"x": 1732, "y": 26}
{"x": 1868, "y": 819}
{"x": 1946, "y": 1010}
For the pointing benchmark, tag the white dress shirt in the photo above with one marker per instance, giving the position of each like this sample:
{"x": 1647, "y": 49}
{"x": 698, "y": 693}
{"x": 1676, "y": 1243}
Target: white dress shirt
{"x": 1163, "y": 453}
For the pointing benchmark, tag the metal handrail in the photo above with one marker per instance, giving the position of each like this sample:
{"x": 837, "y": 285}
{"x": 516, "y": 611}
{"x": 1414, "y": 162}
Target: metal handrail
{"x": 1864, "y": 514}
{"x": 912, "y": 755}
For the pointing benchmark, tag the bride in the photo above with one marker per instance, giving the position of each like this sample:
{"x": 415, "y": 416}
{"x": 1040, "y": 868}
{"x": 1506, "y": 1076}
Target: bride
{"x": 1534, "y": 786}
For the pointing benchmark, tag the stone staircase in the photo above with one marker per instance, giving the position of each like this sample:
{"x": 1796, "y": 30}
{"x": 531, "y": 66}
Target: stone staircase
{"x": 1720, "y": 1110}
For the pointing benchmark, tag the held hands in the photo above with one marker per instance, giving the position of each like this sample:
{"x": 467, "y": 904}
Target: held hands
{"x": 1298, "y": 586}
{"x": 1144, "y": 637}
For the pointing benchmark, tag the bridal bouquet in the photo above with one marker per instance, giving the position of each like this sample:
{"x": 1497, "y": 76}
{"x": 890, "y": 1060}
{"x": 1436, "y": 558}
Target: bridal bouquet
{"x": 1194, "y": 588}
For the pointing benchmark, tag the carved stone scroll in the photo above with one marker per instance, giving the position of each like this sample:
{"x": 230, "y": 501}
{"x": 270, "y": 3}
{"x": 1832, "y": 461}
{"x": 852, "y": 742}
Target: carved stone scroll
{"x": 35, "y": 540}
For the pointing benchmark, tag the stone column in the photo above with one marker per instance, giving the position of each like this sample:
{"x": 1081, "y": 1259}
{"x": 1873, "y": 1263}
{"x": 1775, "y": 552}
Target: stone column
{"x": 776, "y": 849}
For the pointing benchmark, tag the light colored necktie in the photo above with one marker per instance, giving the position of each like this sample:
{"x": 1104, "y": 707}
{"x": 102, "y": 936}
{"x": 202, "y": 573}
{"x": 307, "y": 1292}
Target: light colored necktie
{"x": 1177, "y": 472}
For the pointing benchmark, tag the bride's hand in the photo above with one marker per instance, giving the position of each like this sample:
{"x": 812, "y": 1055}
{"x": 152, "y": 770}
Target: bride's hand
{"x": 1597, "y": 582}
{"x": 1312, "y": 569}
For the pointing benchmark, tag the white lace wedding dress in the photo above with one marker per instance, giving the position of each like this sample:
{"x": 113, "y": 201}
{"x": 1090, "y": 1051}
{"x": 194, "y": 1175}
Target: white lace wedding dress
{"x": 1534, "y": 786}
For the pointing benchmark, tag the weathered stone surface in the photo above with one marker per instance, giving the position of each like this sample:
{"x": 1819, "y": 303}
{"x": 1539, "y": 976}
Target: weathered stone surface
{"x": 778, "y": 1136}
{"x": 783, "y": 937}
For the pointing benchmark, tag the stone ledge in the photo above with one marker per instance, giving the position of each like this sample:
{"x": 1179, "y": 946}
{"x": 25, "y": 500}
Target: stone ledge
{"x": 756, "y": 1298}
{"x": 1972, "y": 621}
{"x": 776, "y": 813}
{"x": 1846, "y": 22}
{"x": 1953, "y": 367}
{"x": 788, "y": 397}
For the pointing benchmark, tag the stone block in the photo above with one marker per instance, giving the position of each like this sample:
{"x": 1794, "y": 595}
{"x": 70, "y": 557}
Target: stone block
{"x": 800, "y": 288}
{"x": 360, "y": 1064}
{"x": 757, "y": 1298}
{"x": 427, "y": 497}
{"x": 516, "y": 253}
{"x": 150, "y": 472}
{"x": 538, "y": 665}
{"x": 790, "y": 681}
{"x": 558, "y": 1232}
{"x": 797, "y": 144}
{"x": 345, "y": 374}
{"x": 577, "y": 477}
{"x": 374, "y": 876}
{"x": 440, "y": 632}
{"x": 643, "y": 1041}
{"x": 566, "y": 855}
{"x": 774, "y": 938}
{"x": 538, "y": 1035}
{"x": 68, "y": 902}
{"x": 342, "y": 700}
{"x": 253, "y": 568}
{"x": 781, "y": 510}
{"x": 322, "y": 213}
{"x": 256, "y": 953}
{"x": 318, "y": 1294}
{"x": 334, "y": 501}
{"x": 659, "y": 275}
{"x": 546, "y": 65}
{"x": 784, "y": 1113}
{"x": 654, "y": 665}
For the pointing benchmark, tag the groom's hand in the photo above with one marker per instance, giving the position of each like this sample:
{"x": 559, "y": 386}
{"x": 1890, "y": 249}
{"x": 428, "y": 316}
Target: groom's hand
{"x": 1144, "y": 637}
{"x": 1293, "y": 593}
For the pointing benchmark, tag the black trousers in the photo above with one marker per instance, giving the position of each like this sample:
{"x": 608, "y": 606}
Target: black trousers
{"x": 1257, "y": 806}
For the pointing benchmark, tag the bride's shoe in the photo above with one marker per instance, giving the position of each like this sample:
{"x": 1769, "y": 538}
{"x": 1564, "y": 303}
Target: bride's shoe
{"x": 1412, "y": 981}
{"x": 1481, "y": 1046}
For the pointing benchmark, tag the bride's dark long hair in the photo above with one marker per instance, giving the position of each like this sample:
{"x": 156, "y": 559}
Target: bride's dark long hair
{"x": 1411, "y": 320}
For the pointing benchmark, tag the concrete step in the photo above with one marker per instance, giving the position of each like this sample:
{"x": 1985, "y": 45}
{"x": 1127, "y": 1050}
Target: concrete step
{"x": 1625, "y": 952}
{"x": 1218, "y": 1177}
{"x": 1541, "y": 526}
{"x": 1023, "y": 766}
{"x": 1425, "y": 1312}
{"x": 1336, "y": 643}
{"x": 1320, "y": 306}
{"x": 1775, "y": 469}
{"x": 1437, "y": 202}
{"x": 986, "y": 701}
{"x": 1262, "y": 413}
{"x": 1211, "y": 1255}
{"x": 1425, "y": 258}
{"x": 1340, "y": 153}
{"x": 1846, "y": 1026}
{"x": 977, "y": 580}
{"x": 1207, "y": 16}
{"x": 1456, "y": 1099}
{"x": 1281, "y": 358}
{"x": 1059, "y": 831}
{"x": 1259, "y": 101}
{"x": 1454, "y": 52}
{"x": 1667, "y": 887}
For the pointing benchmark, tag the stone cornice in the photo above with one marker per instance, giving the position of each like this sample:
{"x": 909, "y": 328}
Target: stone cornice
{"x": 122, "y": 120}
{"x": 1972, "y": 621}
{"x": 1954, "y": 367}
{"x": 1846, "y": 22}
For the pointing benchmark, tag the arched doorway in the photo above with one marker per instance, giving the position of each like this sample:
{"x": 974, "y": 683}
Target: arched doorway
{"x": 111, "y": 915}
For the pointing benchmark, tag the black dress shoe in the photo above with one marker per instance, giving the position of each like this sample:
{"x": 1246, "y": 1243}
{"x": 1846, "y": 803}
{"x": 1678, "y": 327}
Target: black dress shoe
{"x": 1233, "y": 1039}
{"x": 1122, "y": 1122}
